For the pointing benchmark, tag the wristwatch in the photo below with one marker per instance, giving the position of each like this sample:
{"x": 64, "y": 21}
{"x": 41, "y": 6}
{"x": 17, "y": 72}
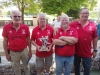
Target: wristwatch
{"x": 95, "y": 50}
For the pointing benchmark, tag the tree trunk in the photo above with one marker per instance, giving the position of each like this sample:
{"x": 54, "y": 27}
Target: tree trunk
{"x": 18, "y": 2}
{"x": 22, "y": 10}
{"x": 22, "y": 15}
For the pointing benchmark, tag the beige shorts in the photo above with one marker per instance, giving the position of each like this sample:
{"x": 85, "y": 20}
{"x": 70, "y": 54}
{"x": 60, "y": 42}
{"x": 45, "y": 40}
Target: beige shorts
{"x": 47, "y": 61}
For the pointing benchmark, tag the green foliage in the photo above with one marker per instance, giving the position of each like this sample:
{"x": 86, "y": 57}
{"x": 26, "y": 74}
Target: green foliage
{"x": 33, "y": 8}
{"x": 29, "y": 5}
{"x": 73, "y": 13}
{"x": 71, "y": 7}
{"x": 8, "y": 13}
{"x": 59, "y": 6}
{"x": 25, "y": 6}
{"x": 94, "y": 14}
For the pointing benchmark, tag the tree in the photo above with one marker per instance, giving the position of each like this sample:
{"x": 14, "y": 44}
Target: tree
{"x": 59, "y": 6}
{"x": 73, "y": 13}
{"x": 94, "y": 15}
{"x": 28, "y": 6}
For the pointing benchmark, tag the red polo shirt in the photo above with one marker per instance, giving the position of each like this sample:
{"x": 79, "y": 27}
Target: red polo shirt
{"x": 16, "y": 39}
{"x": 37, "y": 34}
{"x": 67, "y": 50}
{"x": 85, "y": 37}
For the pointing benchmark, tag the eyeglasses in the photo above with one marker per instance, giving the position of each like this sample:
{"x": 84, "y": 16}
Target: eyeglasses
{"x": 84, "y": 13}
{"x": 17, "y": 16}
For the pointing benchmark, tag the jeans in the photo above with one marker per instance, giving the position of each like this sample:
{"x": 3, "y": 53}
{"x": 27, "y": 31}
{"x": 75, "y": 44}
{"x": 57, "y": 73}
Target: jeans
{"x": 63, "y": 63}
{"x": 86, "y": 65}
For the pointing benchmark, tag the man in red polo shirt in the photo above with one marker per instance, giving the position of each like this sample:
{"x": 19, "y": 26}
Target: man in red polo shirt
{"x": 64, "y": 41}
{"x": 87, "y": 36}
{"x": 42, "y": 39}
{"x": 16, "y": 39}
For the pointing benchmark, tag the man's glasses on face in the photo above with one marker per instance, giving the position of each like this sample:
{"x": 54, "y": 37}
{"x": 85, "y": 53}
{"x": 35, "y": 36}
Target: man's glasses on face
{"x": 16, "y": 16}
{"x": 84, "y": 13}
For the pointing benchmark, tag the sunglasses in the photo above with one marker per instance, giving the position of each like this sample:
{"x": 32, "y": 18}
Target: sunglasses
{"x": 17, "y": 16}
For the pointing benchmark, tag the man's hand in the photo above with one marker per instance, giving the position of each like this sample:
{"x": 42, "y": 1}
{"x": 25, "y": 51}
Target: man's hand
{"x": 94, "y": 54}
{"x": 49, "y": 47}
{"x": 38, "y": 47}
{"x": 8, "y": 57}
{"x": 30, "y": 54}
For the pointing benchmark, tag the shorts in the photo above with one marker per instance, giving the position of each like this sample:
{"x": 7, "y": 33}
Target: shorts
{"x": 47, "y": 61}
{"x": 98, "y": 37}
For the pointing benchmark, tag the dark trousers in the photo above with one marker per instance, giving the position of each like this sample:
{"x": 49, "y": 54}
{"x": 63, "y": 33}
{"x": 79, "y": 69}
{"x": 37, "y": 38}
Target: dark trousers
{"x": 86, "y": 65}
{"x": 0, "y": 59}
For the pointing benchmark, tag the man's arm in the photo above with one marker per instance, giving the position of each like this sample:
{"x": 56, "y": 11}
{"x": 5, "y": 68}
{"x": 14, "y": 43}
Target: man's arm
{"x": 33, "y": 42}
{"x": 94, "y": 47}
{"x": 5, "y": 46}
{"x": 29, "y": 46}
{"x": 59, "y": 42}
{"x": 95, "y": 43}
{"x": 70, "y": 40}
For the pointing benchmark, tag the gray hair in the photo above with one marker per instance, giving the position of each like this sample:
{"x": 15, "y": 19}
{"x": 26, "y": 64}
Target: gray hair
{"x": 14, "y": 11}
{"x": 42, "y": 14}
{"x": 64, "y": 16}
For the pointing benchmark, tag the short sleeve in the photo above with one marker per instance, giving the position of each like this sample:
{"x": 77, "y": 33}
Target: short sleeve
{"x": 33, "y": 35}
{"x": 4, "y": 32}
{"x": 94, "y": 32}
{"x": 52, "y": 32}
{"x": 75, "y": 34}
{"x": 56, "y": 36}
{"x": 27, "y": 31}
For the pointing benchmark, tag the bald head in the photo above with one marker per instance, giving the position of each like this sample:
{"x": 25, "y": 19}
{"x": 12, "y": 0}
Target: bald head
{"x": 83, "y": 9}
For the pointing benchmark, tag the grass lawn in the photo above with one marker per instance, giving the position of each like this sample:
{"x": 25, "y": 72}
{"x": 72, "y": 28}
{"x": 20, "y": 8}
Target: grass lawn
{"x": 95, "y": 72}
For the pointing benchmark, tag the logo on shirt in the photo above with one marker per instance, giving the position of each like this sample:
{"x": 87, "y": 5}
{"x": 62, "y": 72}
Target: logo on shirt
{"x": 77, "y": 28}
{"x": 10, "y": 32}
{"x": 23, "y": 31}
{"x": 90, "y": 28}
{"x": 60, "y": 33}
{"x": 48, "y": 31}
{"x": 71, "y": 32}
{"x": 38, "y": 33}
